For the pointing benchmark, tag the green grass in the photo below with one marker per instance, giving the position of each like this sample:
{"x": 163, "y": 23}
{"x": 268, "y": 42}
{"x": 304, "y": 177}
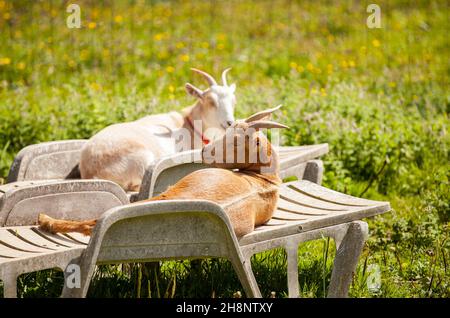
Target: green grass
{"x": 379, "y": 97}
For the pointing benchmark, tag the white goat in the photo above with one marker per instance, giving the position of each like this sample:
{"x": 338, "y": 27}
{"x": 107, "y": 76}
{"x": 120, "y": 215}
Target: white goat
{"x": 122, "y": 152}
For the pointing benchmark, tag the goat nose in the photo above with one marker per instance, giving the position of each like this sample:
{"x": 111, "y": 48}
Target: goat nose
{"x": 229, "y": 122}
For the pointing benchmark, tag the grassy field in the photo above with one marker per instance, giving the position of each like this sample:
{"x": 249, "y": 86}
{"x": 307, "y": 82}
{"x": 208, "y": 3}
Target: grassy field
{"x": 379, "y": 97}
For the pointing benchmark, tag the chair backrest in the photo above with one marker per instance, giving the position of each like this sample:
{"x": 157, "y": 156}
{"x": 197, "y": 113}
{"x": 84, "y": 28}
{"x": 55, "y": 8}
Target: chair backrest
{"x": 21, "y": 202}
{"x": 159, "y": 230}
{"x": 48, "y": 160}
{"x": 167, "y": 171}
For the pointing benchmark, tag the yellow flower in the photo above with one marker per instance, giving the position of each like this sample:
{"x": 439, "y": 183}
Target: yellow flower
{"x": 105, "y": 52}
{"x": 376, "y": 43}
{"x": 84, "y": 54}
{"x": 221, "y": 36}
{"x": 158, "y": 36}
{"x": 323, "y": 92}
{"x": 171, "y": 96}
{"x": 163, "y": 55}
{"x": 118, "y": 19}
{"x": 5, "y": 60}
{"x": 330, "y": 38}
{"x": 170, "y": 69}
{"x": 351, "y": 63}
{"x": 293, "y": 65}
{"x": 205, "y": 45}
{"x": 344, "y": 64}
{"x": 184, "y": 58}
{"x": 392, "y": 84}
{"x": 330, "y": 68}
{"x": 2, "y": 4}
{"x": 72, "y": 64}
{"x": 179, "y": 45}
{"x": 310, "y": 67}
{"x": 300, "y": 69}
{"x": 171, "y": 88}
{"x": 6, "y": 16}
{"x": 363, "y": 49}
{"x": 415, "y": 98}
{"x": 21, "y": 65}
{"x": 92, "y": 25}
{"x": 220, "y": 46}
{"x": 317, "y": 70}
{"x": 95, "y": 86}
{"x": 314, "y": 91}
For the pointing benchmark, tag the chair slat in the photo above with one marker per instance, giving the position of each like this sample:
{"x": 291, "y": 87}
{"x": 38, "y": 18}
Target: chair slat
{"x": 299, "y": 209}
{"x": 11, "y": 239}
{"x": 29, "y": 234}
{"x": 13, "y": 253}
{"x": 329, "y": 196}
{"x": 282, "y": 215}
{"x": 304, "y": 199}
{"x": 78, "y": 237}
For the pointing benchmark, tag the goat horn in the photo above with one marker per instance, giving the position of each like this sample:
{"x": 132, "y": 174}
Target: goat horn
{"x": 262, "y": 114}
{"x": 266, "y": 124}
{"x": 224, "y": 76}
{"x": 208, "y": 77}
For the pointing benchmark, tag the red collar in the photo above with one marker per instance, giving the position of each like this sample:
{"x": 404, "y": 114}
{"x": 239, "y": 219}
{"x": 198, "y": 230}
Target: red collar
{"x": 204, "y": 139}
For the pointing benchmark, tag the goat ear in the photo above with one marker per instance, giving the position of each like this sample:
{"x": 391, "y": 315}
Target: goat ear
{"x": 233, "y": 87}
{"x": 194, "y": 91}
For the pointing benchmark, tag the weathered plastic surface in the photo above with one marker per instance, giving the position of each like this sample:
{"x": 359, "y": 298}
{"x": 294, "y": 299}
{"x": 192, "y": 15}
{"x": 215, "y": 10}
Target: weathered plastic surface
{"x": 21, "y": 202}
{"x": 47, "y": 160}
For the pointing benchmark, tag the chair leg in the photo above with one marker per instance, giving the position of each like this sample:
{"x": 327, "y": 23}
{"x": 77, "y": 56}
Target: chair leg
{"x": 314, "y": 171}
{"x": 292, "y": 271}
{"x": 347, "y": 257}
{"x": 245, "y": 274}
{"x": 10, "y": 286}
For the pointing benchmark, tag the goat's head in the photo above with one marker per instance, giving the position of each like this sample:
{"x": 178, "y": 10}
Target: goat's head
{"x": 217, "y": 101}
{"x": 244, "y": 146}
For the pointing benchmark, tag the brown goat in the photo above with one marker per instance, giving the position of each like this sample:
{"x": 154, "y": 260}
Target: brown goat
{"x": 248, "y": 193}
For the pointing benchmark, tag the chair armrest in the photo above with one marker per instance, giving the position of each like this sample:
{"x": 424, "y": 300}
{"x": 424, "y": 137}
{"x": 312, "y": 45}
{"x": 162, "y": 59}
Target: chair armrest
{"x": 21, "y": 202}
{"x": 47, "y": 160}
